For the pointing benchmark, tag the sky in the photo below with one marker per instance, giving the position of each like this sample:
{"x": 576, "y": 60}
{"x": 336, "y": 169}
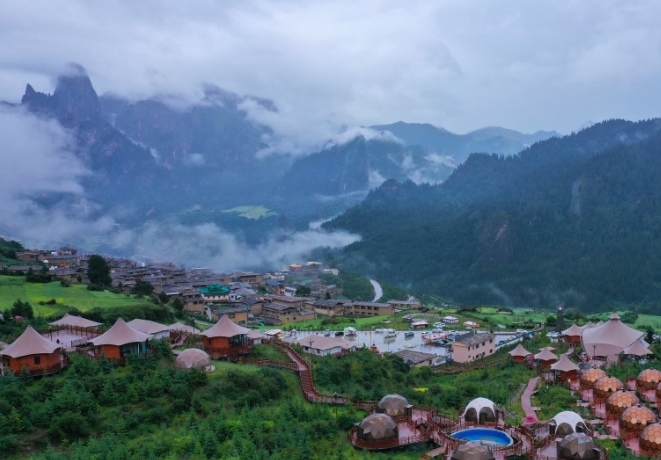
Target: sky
{"x": 331, "y": 68}
{"x": 329, "y": 65}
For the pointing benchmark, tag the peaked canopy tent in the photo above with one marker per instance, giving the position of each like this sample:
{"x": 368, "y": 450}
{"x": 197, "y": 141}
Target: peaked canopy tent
{"x": 180, "y": 327}
{"x": 226, "y": 339}
{"x": 76, "y": 321}
{"x": 572, "y": 334}
{"x": 154, "y": 329}
{"x": 637, "y": 350}
{"x": 546, "y": 357}
{"x": 609, "y": 339}
{"x": 120, "y": 341}
{"x": 519, "y": 354}
{"x": 30, "y": 350}
{"x": 565, "y": 369}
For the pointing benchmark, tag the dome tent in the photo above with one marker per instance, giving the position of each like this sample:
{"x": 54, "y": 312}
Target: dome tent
{"x": 481, "y": 410}
{"x": 577, "y": 446}
{"x": 394, "y": 405}
{"x": 473, "y": 451}
{"x": 605, "y": 386}
{"x": 567, "y": 422}
{"x": 377, "y": 426}
{"x": 591, "y": 376}
{"x": 650, "y": 438}
{"x": 620, "y": 401}
{"x": 636, "y": 418}
{"x": 648, "y": 379}
{"x": 192, "y": 357}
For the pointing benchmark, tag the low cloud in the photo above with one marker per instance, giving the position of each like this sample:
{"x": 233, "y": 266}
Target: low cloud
{"x": 38, "y": 168}
{"x": 194, "y": 159}
{"x": 210, "y": 246}
{"x": 347, "y": 135}
{"x": 43, "y": 204}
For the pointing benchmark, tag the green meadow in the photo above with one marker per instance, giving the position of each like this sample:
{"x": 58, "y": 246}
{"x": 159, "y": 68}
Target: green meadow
{"x": 15, "y": 287}
{"x": 252, "y": 212}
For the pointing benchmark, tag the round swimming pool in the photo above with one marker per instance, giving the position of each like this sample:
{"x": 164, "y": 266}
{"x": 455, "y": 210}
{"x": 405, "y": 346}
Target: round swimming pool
{"x": 485, "y": 435}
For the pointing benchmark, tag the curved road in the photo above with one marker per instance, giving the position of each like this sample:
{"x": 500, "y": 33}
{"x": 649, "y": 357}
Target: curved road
{"x": 378, "y": 290}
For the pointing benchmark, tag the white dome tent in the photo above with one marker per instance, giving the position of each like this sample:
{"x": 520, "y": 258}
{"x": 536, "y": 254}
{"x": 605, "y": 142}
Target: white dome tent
{"x": 481, "y": 410}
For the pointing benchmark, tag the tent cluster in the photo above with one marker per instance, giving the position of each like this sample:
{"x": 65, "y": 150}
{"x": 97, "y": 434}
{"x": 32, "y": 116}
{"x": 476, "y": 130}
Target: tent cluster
{"x": 608, "y": 340}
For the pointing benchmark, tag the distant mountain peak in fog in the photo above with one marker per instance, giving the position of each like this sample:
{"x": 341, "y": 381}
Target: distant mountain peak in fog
{"x": 459, "y": 146}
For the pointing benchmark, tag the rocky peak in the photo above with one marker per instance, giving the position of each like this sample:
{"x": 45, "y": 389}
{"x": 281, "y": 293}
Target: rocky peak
{"x": 75, "y": 99}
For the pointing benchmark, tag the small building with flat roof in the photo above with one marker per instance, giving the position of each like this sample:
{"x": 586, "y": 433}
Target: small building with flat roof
{"x": 473, "y": 346}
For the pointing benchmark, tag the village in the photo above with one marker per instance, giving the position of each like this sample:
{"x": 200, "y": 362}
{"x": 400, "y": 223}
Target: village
{"x": 231, "y": 314}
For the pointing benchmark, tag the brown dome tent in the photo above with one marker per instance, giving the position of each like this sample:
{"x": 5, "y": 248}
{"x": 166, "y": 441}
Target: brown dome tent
{"x": 577, "y": 446}
{"x": 473, "y": 451}
{"x": 394, "y": 405}
{"x": 192, "y": 357}
{"x": 376, "y": 427}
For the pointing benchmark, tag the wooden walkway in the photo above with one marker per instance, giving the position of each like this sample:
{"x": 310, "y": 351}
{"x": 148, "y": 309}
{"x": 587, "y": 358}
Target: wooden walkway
{"x": 307, "y": 384}
{"x": 526, "y": 399}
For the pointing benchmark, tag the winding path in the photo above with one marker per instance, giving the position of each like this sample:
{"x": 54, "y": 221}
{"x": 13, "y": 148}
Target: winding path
{"x": 307, "y": 384}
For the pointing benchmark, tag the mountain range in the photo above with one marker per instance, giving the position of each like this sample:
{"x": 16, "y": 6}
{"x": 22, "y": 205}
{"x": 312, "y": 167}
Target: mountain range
{"x": 573, "y": 220}
{"x": 458, "y": 146}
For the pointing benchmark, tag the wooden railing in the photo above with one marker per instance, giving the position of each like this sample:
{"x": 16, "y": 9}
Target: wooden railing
{"x": 307, "y": 384}
{"x": 72, "y": 329}
{"x": 228, "y": 352}
{"x": 457, "y": 368}
{"x": 265, "y": 362}
{"x": 379, "y": 444}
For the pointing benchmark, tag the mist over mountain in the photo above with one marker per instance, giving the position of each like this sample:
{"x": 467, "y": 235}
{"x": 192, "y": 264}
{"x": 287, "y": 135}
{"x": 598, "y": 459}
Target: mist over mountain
{"x": 214, "y": 132}
{"x": 458, "y": 146}
{"x": 360, "y": 165}
{"x": 120, "y": 166}
{"x": 575, "y": 219}
{"x": 147, "y": 171}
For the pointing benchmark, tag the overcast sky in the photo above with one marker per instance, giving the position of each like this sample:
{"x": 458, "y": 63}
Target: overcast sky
{"x": 458, "y": 64}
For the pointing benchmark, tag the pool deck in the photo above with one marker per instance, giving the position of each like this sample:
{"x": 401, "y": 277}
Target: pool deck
{"x": 66, "y": 338}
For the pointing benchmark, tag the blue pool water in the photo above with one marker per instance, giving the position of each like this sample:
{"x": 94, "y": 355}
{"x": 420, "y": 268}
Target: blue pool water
{"x": 485, "y": 435}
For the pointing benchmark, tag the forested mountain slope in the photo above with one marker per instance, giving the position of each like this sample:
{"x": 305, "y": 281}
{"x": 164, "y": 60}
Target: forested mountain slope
{"x": 574, "y": 219}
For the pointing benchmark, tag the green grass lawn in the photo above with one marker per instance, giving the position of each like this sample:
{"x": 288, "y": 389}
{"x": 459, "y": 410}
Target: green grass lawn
{"x": 15, "y": 287}
{"x": 252, "y": 212}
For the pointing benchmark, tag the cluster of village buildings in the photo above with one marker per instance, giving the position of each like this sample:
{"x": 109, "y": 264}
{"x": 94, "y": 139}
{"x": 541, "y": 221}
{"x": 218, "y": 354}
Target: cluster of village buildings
{"x": 245, "y": 297}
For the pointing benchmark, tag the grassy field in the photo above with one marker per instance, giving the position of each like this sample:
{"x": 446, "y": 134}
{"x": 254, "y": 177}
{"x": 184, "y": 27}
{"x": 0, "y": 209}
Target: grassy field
{"x": 15, "y": 287}
{"x": 252, "y": 212}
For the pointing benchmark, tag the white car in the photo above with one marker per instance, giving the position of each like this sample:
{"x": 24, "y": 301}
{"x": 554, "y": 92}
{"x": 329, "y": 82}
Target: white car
{"x": 439, "y": 325}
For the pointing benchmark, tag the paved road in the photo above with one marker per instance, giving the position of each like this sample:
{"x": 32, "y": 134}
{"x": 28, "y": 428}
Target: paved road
{"x": 378, "y": 290}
